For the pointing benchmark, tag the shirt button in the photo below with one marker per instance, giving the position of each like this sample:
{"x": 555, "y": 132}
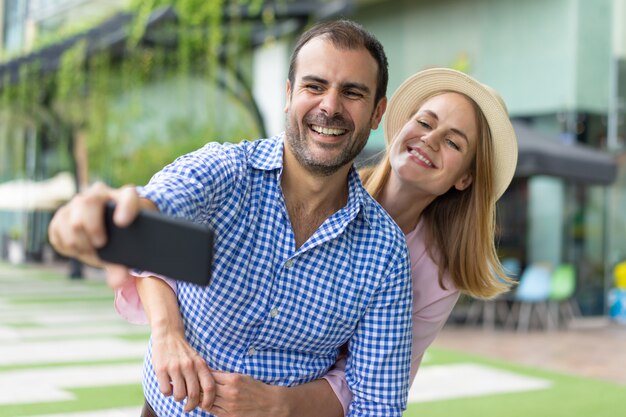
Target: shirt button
{"x": 251, "y": 351}
{"x": 274, "y": 312}
{"x": 289, "y": 263}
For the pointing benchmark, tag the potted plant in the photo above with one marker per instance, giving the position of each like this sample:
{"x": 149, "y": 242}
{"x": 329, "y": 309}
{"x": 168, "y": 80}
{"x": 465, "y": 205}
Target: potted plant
{"x": 16, "y": 250}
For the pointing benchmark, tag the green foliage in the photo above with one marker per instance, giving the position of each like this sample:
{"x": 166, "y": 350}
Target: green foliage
{"x": 47, "y": 38}
{"x": 81, "y": 94}
{"x": 137, "y": 167}
{"x": 71, "y": 83}
{"x": 15, "y": 233}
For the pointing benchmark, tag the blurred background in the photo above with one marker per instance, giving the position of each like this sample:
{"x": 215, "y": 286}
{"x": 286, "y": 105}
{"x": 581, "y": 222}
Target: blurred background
{"x": 112, "y": 90}
{"x": 95, "y": 90}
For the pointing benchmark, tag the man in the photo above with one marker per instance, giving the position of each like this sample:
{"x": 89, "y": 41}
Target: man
{"x": 305, "y": 260}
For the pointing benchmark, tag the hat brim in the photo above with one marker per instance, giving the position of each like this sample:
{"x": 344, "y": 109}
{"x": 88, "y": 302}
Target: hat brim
{"x": 418, "y": 87}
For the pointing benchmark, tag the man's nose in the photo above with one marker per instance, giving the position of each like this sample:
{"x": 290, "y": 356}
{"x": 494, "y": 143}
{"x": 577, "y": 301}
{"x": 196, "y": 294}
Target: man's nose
{"x": 331, "y": 103}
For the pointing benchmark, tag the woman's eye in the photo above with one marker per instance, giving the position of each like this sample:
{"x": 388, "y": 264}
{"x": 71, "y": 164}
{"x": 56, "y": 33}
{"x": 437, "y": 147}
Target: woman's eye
{"x": 453, "y": 144}
{"x": 423, "y": 124}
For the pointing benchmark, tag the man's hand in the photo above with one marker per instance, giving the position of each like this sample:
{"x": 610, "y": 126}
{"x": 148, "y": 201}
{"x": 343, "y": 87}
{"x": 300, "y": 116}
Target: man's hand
{"x": 77, "y": 229}
{"x": 240, "y": 395}
{"x": 181, "y": 371}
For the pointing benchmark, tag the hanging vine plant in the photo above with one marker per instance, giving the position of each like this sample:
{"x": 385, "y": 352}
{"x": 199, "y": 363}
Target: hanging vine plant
{"x": 81, "y": 94}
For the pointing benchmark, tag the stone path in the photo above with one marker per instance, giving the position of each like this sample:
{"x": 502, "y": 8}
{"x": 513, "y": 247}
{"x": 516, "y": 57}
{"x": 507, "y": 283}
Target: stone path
{"x": 58, "y": 336}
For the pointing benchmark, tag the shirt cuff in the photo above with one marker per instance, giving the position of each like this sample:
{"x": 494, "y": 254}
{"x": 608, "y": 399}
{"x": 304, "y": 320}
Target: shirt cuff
{"x": 336, "y": 378}
{"x": 127, "y": 301}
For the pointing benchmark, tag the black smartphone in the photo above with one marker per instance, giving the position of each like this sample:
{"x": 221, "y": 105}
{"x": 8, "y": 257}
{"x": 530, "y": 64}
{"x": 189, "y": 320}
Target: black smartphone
{"x": 154, "y": 242}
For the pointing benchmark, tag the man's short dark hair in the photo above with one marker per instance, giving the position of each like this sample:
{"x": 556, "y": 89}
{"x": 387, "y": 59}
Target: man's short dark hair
{"x": 349, "y": 35}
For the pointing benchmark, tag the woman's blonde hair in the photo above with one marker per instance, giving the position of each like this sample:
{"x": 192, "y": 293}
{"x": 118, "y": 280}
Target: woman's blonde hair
{"x": 460, "y": 225}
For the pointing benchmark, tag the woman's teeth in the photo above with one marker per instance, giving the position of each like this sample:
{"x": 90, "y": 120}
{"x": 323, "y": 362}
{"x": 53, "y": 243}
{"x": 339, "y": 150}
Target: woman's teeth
{"x": 420, "y": 157}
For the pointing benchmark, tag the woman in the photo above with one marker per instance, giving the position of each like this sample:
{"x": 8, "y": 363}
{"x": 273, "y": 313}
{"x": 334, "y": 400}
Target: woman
{"x": 451, "y": 153}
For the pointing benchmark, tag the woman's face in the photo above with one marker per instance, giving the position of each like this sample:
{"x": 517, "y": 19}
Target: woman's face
{"x": 435, "y": 148}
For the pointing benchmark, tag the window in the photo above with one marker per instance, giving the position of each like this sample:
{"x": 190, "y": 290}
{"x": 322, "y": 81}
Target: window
{"x": 14, "y": 20}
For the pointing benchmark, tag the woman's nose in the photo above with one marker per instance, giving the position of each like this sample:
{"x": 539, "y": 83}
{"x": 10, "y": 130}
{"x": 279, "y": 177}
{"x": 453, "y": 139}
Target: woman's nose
{"x": 431, "y": 139}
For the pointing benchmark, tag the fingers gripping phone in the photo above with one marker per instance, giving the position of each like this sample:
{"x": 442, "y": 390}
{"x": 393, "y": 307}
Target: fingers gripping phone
{"x": 154, "y": 242}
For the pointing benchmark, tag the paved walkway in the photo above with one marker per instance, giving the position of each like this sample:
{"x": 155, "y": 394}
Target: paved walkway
{"x": 60, "y": 343}
{"x": 63, "y": 349}
{"x": 594, "y": 348}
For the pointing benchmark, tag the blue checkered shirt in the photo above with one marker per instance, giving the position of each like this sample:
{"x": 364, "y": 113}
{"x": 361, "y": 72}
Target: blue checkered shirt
{"x": 277, "y": 313}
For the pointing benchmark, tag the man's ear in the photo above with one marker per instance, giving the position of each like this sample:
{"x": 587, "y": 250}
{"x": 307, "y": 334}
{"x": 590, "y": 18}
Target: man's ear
{"x": 378, "y": 112}
{"x": 464, "y": 182}
{"x": 288, "y": 98}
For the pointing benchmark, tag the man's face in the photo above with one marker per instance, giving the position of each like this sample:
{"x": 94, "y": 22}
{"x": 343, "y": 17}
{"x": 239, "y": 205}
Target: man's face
{"x": 330, "y": 108}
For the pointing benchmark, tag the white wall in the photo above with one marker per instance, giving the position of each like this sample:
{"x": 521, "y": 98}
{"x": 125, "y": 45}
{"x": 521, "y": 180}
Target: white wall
{"x": 619, "y": 28}
{"x": 545, "y": 219}
{"x": 270, "y": 68}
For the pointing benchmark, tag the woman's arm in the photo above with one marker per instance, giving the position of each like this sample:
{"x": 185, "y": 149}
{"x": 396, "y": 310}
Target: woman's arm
{"x": 180, "y": 370}
{"x": 236, "y": 394}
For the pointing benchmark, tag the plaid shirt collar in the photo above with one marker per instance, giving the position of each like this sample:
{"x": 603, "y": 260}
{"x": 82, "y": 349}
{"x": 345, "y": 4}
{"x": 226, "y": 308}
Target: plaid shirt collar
{"x": 272, "y": 159}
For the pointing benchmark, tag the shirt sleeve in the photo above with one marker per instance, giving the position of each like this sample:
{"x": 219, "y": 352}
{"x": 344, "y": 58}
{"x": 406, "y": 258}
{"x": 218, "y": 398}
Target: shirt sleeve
{"x": 127, "y": 302}
{"x": 195, "y": 184}
{"x": 379, "y": 352}
{"x": 189, "y": 187}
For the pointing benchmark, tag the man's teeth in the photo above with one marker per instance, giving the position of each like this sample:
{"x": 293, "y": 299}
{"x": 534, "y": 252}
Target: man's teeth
{"x": 420, "y": 157}
{"x": 328, "y": 130}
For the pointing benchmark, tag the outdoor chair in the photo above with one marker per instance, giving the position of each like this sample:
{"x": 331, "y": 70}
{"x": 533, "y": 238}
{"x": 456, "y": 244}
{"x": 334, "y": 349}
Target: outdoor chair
{"x": 530, "y": 299}
{"x": 489, "y": 311}
{"x": 562, "y": 303}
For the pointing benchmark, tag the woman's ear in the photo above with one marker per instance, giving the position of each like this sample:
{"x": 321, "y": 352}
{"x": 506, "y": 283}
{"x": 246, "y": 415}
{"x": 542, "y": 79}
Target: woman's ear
{"x": 464, "y": 182}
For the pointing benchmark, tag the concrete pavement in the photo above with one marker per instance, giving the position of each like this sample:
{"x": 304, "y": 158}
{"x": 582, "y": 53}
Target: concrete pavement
{"x": 61, "y": 343}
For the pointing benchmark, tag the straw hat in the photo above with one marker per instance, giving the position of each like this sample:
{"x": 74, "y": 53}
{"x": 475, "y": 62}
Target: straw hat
{"x": 415, "y": 89}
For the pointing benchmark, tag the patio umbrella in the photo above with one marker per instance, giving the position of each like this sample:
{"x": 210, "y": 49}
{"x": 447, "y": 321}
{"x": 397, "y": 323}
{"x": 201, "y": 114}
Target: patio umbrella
{"x": 540, "y": 154}
{"x": 28, "y": 195}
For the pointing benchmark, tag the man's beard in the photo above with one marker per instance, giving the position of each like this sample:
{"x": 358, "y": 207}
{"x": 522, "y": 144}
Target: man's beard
{"x": 300, "y": 146}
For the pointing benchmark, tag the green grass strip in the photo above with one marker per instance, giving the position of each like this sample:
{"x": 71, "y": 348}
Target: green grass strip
{"x": 87, "y": 399}
{"x": 103, "y": 298}
{"x": 6, "y": 368}
{"x": 569, "y": 396}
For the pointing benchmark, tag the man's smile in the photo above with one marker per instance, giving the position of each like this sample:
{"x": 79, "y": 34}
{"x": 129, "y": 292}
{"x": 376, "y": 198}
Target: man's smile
{"x": 328, "y": 131}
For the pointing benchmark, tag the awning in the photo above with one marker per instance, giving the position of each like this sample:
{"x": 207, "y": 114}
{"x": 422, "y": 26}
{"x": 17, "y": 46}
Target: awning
{"x": 112, "y": 34}
{"x": 540, "y": 154}
{"x": 27, "y": 195}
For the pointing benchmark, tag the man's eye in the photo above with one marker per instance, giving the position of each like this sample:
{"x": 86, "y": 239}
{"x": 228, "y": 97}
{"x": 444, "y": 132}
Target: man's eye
{"x": 313, "y": 87}
{"x": 353, "y": 94}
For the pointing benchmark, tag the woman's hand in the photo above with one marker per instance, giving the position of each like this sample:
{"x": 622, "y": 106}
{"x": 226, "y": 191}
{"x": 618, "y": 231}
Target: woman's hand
{"x": 240, "y": 395}
{"x": 181, "y": 371}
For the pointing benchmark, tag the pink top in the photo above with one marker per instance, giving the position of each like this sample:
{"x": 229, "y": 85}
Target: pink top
{"x": 127, "y": 301}
{"x": 431, "y": 308}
